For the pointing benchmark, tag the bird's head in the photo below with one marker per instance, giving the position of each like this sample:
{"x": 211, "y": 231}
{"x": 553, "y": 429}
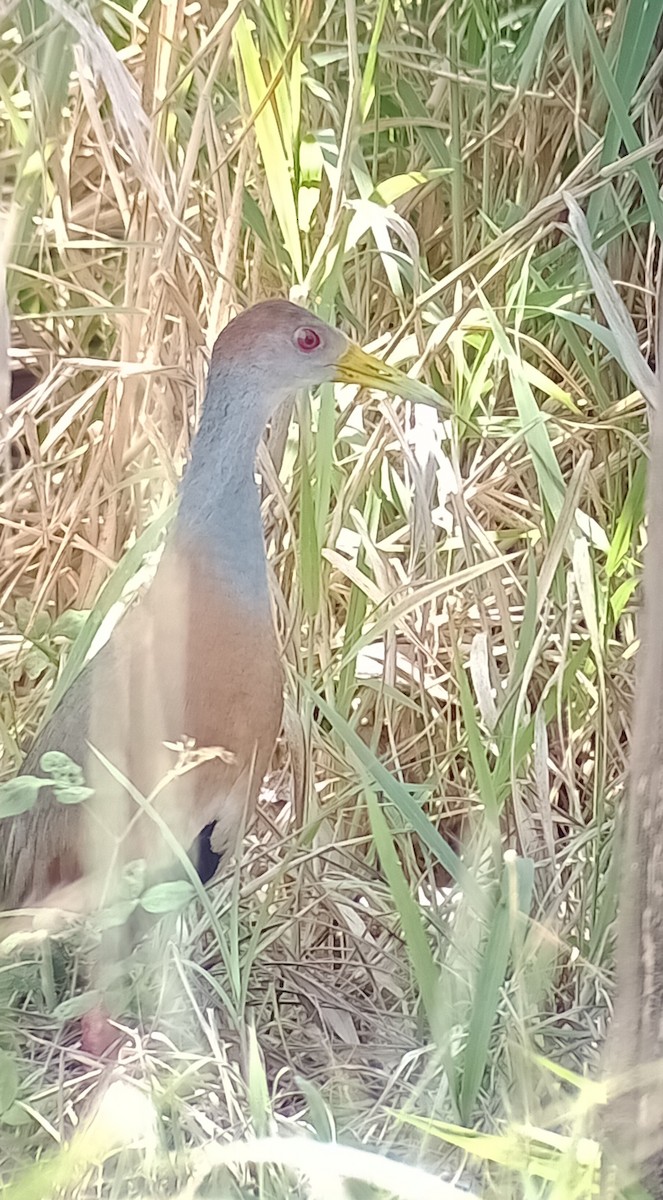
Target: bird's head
{"x": 281, "y": 348}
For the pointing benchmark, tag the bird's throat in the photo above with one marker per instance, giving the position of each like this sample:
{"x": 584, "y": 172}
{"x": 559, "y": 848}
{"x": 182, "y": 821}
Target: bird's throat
{"x": 219, "y": 511}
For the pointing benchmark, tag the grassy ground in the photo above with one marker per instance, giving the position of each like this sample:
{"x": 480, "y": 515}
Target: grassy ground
{"x": 455, "y": 597}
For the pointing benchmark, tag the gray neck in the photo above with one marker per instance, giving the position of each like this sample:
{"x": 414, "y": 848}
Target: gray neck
{"x": 219, "y": 510}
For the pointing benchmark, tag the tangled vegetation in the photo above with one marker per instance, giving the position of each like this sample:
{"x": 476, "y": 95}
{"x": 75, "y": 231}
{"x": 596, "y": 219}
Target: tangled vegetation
{"x": 414, "y": 954}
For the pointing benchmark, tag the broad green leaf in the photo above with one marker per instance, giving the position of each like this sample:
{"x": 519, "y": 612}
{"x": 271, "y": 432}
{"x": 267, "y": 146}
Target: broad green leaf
{"x": 431, "y": 139}
{"x": 20, "y": 794}
{"x": 16, "y": 1115}
{"x": 399, "y": 185}
{"x": 69, "y": 624}
{"x": 586, "y": 588}
{"x": 641, "y": 23}
{"x": 115, "y": 914}
{"x": 259, "y": 1097}
{"x": 549, "y": 388}
{"x": 529, "y": 1150}
{"x": 23, "y": 611}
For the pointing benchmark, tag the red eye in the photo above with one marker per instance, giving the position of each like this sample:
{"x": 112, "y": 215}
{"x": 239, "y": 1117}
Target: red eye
{"x": 307, "y": 340}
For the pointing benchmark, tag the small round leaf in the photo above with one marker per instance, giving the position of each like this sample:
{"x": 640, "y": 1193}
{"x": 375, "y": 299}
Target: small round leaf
{"x": 63, "y": 768}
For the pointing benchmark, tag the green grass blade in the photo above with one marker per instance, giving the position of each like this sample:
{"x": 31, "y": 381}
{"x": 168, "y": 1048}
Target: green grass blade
{"x": 422, "y": 962}
{"x": 401, "y": 798}
{"x": 486, "y": 992}
{"x": 548, "y": 473}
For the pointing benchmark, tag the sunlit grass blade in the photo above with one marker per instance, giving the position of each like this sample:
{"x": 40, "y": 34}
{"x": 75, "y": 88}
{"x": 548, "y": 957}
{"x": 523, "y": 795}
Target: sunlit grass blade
{"x": 271, "y": 146}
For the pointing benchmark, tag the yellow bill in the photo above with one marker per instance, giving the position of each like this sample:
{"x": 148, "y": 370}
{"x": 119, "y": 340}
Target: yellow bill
{"x": 356, "y": 366}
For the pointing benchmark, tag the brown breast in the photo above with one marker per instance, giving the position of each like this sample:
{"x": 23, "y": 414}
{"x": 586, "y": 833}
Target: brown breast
{"x": 187, "y": 663}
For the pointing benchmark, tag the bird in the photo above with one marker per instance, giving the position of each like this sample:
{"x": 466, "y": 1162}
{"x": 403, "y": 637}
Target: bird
{"x": 192, "y": 673}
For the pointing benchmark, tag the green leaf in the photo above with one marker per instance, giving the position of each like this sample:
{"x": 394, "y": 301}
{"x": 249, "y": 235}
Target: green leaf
{"x": 641, "y": 24}
{"x": 133, "y": 879}
{"x": 310, "y": 174}
{"x": 482, "y": 771}
{"x": 537, "y": 41}
{"x": 20, "y": 794}
{"x": 168, "y": 897}
{"x": 531, "y": 1151}
{"x": 8, "y": 1081}
{"x": 430, "y": 138}
{"x": 258, "y": 1088}
{"x": 35, "y": 663}
{"x": 318, "y": 1113}
{"x": 40, "y": 626}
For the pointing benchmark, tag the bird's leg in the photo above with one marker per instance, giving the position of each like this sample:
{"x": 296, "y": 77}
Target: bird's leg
{"x": 98, "y": 1035}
